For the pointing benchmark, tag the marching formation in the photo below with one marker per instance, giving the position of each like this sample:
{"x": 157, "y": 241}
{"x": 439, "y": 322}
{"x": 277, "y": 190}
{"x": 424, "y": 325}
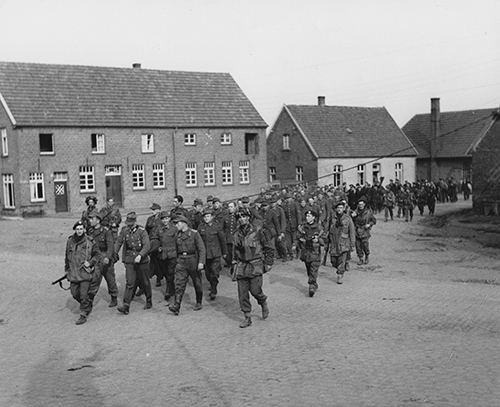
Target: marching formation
{"x": 243, "y": 236}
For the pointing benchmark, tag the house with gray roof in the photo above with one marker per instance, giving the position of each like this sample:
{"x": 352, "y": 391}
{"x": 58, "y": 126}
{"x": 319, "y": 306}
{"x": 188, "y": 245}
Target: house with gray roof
{"x": 338, "y": 144}
{"x": 138, "y": 135}
{"x": 446, "y": 151}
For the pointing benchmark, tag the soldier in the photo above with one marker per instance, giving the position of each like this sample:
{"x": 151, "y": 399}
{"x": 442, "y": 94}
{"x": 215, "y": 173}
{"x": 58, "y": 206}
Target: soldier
{"x": 178, "y": 209}
{"x": 111, "y": 217}
{"x": 342, "y": 239}
{"x": 293, "y": 220}
{"x": 136, "y": 246}
{"x": 215, "y": 246}
{"x": 408, "y": 202}
{"x": 389, "y": 202}
{"x": 218, "y": 211}
{"x": 152, "y": 223}
{"x": 229, "y": 227}
{"x": 164, "y": 242}
{"x": 190, "y": 261}
{"x": 310, "y": 237}
{"x": 103, "y": 237}
{"x": 254, "y": 256}
{"x": 80, "y": 260}
{"x": 196, "y": 213}
{"x": 91, "y": 202}
{"x": 363, "y": 222}
{"x": 280, "y": 239}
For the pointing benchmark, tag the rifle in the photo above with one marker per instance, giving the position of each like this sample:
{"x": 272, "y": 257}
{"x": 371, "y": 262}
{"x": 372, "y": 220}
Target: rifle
{"x": 60, "y": 280}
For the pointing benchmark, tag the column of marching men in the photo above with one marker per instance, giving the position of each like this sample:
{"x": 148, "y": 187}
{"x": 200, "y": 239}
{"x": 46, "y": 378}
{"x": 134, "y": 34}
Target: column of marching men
{"x": 243, "y": 236}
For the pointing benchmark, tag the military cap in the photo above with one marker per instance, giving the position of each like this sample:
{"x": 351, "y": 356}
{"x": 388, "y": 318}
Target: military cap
{"x": 311, "y": 212}
{"x": 131, "y": 218}
{"x": 340, "y": 203}
{"x": 245, "y": 199}
{"x": 181, "y": 218}
{"x": 164, "y": 214}
{"x": 207, "y": 211}
{"x": 285, "y": 196}
{"x": 78, "y": 223}
{"x": 210, "y": 198}
{"x": 93, "y": 198}
{"x": 362, "y": 199}
{"x": 272, "y": 200}
{"x": 243, "y": 212}
{"x": 215, "y": 199}
{"x": 265, "y": 202}
{"x": 155, "y": 206}
{"x": 96, "y": 214}
{"x": 197, "y": 201}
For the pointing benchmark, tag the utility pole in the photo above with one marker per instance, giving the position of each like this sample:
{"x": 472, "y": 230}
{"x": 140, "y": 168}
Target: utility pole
{"x": 433, "y": 169}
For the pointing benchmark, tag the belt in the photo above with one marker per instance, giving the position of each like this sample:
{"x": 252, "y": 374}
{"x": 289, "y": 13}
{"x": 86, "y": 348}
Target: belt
{"x": 185, "y": 254}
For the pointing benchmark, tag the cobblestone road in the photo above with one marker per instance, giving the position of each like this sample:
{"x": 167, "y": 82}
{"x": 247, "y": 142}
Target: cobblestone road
{"x": 419, "y": 326}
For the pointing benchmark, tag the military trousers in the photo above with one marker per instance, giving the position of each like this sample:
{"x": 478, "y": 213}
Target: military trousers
{"x": 339, "y": 261}
{"x": 247, "y": 286}
{"x": 167, "y": 270}
{"x": 84, "y": 292}
{"x": 362, "y": 247}
{"x": 312, "y": 268}
{"x": 136, "y": 274}
{"x": 108, "y": 273}
{"x": 212, "y": 273}
{"x": 187, "y": 267}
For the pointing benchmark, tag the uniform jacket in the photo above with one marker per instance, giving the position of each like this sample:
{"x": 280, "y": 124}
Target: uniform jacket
{"x": 195, "y": 218}
{"x": 177, "y": 211}
{"x": 214, "y": 239}
{"x": 362, "y": 218}
{"x": 190, "y": 242}
{"x": 152, "y": 223}
{"x": 251, "y": 250}
{"x": 271, "y": 222}
{"x": 219, "y": 215}
{"x": 111, "y": 216}
{"x": 310, "y": 250}
{"x": 103, "y": 237}
{"x": 342, "y": 235}
{"x": 135, "y": 241}
{"x": 164, "y": 239}
{"x": 389, "y": 199}
{"x": 292, "y": 215}
{"x": 281, "y": 217}
{"x": 85, "y": 216}
{"x": 77, "y": 252}
{"x": 229, "y": 226}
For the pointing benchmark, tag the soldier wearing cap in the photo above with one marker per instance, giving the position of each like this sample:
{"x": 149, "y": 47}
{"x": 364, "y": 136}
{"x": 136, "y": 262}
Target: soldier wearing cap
{"x": 152, "y": 223}
{"x": 271, "y": 225}
{"x": 215, "y": 246}
{"x": 218, "y": 211}
{"x": 293, "y": 220}
{"x": 341, "y": 239}
{"x": 229, "y": 227}
{"x": 178, "y": 209}
{"x": 80, "y": 260}
{"x": 136, "y": 246}
{"x": 91, "y": 202}
{"x": 363, "y": 222}
{"x": 111, "y": 217}
{"x": 190, "y": 261}
{"x": 196, "y": 213}
{"x": 103, "y": 237}
{"x": 254, "y": 256}
{"x": 310, "y": 237}
{"x": 163, "y": 241}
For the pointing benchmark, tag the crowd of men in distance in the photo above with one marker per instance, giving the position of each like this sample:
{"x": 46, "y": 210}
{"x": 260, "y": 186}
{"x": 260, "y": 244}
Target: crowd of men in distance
{"x": 244, "y": 236}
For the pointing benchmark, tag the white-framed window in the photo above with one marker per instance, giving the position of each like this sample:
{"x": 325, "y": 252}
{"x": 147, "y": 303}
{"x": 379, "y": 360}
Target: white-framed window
{"x": 147, "y": 143}
{"x": 5, "y": 143}
{"x": 375, "y": 172}
{"x": 272, "y": 174}
{"x": 159, "y": 175}
{"x": 190, "y": 139}
{"x": 60, "y": 176}
{"x": 361, "y": 174}
{"x": 245, "y": 172}
{"x": 209, "y": 173}
{"x": 227, "y": 172}
{"x": 226, "y": 139}
{"x": 286, "y": 142}
{"x": 299, "y": 173}
{"x": 8, "y": 191}
{"x": 138, "y": 177}
{"x": 191, "y": 179}
{"x": 87, "y": 179}
{"x": 337, "y": 175}
{"x": 398, "y": 172}
{"x": 97, "y": 143}
{"x": 46, "y": 143}
{"x": 112, "y": 170}
{"x": 37, "y": 189}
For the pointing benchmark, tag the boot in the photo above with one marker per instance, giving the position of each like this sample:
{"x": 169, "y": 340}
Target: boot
{"x": 360, "y": 262}
{"x": 81, "y": 320}
{"x": 312, "y": 291}
{"x": 340, "y": 277}
{"x": 246, "y": 322}
{"x": 123, "y": 309}
{"x": 113, "y": 302}
{"x": 148, "y": 305}
{"x": 265, "y": 310}
{"x": 197, "y": 306}
{"x": 139, "y": 292}
{"x": 366, "y": 259}
{"x": 176, "y": 306}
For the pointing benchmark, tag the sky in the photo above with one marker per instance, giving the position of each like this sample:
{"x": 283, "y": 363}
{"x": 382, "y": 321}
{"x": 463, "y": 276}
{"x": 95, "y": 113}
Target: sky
{"x": 393, "y": 53}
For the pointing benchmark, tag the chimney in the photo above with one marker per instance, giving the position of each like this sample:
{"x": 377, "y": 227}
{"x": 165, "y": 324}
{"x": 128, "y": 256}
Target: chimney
{"x": 434, "y": 139}
{"x": 136, "y": 65}
{"x": 321, "y": 100}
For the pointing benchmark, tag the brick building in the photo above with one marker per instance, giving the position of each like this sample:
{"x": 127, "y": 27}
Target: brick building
{"x": 486, "y": 169}
{"x": 446, "y": 151}
{"x": 337, "y": 144}
{"x": 138, "y": 135}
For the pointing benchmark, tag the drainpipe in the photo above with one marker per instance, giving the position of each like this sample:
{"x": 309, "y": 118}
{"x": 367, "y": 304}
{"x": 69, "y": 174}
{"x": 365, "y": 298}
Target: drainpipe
{"x": 434, "y": 140}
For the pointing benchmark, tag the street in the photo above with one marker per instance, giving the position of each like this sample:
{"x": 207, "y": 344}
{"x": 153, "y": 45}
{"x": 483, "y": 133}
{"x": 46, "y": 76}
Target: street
{"x": 417, "y": 326}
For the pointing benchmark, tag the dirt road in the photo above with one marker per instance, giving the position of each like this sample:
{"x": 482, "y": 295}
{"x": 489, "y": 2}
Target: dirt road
{"x": 418, "y": 326}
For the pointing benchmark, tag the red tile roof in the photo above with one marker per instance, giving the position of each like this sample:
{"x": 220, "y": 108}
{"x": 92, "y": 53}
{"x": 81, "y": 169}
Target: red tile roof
{"x": 70, "y": 95}
{"x": 458, "y": 131}
{"x": 344, "y": 131}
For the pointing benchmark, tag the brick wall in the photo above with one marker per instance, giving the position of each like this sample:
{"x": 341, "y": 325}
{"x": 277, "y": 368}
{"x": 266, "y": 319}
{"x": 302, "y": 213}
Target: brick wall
{"x": 446, "y": 168}
{"x": 298, "y": 155}
{"x": 10, "y": 163}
